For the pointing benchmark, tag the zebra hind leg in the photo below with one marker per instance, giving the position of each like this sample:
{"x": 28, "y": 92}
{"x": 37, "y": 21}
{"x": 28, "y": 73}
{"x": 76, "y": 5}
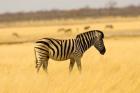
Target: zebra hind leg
{"x": 38, "y": 65}
{"x": 41, "y": 56}
{"x": 72, "y": 62}
{"x": 37, "y": 61}
{"x": 45, "y": 64}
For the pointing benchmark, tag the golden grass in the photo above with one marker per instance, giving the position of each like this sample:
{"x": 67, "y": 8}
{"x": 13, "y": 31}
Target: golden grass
{"x": 115, "y": 72}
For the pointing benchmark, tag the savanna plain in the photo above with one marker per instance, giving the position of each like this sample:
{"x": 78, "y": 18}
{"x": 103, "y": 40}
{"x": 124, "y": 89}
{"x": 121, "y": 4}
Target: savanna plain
{"x": 118, "y": 71}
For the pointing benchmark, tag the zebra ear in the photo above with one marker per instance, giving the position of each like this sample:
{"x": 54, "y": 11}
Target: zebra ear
{"x": 102, "y": 34}
{"x": 95, "y": 34}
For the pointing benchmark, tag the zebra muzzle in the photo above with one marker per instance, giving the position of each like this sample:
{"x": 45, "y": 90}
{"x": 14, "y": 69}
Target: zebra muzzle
{"x": 103, "y": 51}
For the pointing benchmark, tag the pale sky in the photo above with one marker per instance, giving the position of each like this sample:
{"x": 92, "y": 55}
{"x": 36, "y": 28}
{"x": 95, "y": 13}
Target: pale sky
{"x": 33, "y": 5}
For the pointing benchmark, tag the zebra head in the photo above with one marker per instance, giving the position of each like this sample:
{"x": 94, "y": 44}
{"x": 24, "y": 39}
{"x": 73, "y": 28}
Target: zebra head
{"x": 98, "y": 41}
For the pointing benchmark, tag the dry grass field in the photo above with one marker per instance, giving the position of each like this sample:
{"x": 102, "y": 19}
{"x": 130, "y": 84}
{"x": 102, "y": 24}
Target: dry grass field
{"x": 118, "y": 71}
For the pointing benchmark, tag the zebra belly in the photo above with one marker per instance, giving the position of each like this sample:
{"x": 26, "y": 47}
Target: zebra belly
{"x": 58, "y": 58}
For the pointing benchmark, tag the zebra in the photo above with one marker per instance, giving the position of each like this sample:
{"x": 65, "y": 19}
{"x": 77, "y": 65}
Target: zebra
{"x": 72, "y": 49}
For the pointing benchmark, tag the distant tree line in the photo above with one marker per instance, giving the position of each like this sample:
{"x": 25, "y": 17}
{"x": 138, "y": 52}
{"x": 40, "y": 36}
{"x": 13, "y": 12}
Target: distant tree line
{"x": 85, "y": 12}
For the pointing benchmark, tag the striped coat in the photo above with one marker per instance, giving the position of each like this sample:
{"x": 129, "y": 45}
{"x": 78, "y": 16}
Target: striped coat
{"x": 72, "y": 49}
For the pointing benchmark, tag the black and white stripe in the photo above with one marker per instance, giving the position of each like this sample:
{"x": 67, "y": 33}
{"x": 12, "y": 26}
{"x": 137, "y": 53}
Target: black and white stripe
{"x": 72, "y": 49}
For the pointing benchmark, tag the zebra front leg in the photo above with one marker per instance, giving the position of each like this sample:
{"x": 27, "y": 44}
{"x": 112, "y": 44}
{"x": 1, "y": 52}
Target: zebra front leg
{"x": 78, "y": 62}
{"x": 72, "y": 62}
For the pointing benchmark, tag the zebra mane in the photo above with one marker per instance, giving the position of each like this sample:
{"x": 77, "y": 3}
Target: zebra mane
{"x": 93, "y": 31}
{"x": 79, "y": 35}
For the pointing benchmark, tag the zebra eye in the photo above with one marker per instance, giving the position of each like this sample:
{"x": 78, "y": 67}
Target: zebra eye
{"x": 96, "y": 37}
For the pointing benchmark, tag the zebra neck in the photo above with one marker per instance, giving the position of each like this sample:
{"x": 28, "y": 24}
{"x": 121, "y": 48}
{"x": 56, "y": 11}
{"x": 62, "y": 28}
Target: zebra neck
{"x": 85, "y": 45}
